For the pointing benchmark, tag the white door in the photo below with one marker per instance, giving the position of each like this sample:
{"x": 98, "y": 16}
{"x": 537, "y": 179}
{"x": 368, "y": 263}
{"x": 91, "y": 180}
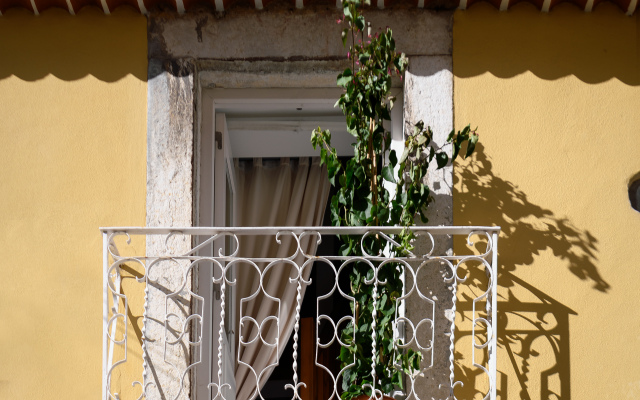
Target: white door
{"x": 215, "y": 208}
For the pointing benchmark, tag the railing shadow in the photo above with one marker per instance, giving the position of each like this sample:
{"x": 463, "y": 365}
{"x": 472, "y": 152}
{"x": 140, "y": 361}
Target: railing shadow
{"x": 533, "y": 327}
{"x": 533, "y": 347}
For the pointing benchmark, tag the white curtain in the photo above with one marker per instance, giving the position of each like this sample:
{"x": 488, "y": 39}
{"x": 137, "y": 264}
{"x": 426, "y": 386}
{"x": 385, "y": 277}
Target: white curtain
{"x": 273, "y": 193}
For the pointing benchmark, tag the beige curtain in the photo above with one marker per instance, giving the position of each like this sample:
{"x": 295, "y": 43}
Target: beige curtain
{"x": 273, "y": 193}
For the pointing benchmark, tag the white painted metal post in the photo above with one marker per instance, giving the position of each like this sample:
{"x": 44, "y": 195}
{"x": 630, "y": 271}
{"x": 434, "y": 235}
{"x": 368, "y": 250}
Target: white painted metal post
{"x": 115, "y": 308}
{"x": 494, "y": 317}
{"x": 105, "y": 311}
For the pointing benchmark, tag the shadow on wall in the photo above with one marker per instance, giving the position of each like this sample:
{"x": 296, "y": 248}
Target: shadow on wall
{"x": 594, "y": 47}
{"x": 108, "y": 47}
{"x": 533, "y": 337}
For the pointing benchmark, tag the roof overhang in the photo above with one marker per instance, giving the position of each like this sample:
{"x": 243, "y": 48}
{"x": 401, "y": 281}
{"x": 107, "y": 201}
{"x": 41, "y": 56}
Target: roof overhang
{"x": 182, "y": 6}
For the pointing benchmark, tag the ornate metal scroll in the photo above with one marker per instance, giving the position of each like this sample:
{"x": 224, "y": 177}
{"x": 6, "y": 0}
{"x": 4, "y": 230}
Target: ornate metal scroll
{"x": 185, "y": 333}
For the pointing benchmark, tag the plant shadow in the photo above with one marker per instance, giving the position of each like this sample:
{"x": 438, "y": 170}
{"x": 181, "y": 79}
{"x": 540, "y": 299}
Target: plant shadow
{"x": 533, "y": 327}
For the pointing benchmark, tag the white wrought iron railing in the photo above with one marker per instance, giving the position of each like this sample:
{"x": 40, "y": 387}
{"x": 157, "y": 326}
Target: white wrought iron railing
{"x": 168, "y": 332}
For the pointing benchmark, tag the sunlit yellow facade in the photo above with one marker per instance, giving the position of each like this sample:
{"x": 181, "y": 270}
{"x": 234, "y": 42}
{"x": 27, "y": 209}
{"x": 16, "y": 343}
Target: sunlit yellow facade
{"x": 556, "y": 99}
{"x": 73, "y": 105}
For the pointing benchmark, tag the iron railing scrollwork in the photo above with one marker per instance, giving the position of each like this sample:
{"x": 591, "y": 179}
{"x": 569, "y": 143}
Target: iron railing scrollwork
{"x": 170, "y": 339}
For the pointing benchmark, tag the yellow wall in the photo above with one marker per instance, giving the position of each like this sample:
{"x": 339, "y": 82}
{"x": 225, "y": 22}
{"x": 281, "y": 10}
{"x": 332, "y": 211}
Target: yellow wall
{"x": 556, "y": 97}
{"x": 73, "y": 143}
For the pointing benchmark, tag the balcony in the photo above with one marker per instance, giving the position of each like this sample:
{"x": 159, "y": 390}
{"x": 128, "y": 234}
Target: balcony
{"x": 244, "y": 313}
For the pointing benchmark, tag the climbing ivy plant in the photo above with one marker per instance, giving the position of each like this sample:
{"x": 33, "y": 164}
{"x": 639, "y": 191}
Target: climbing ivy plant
{"x": 363, "y": 200}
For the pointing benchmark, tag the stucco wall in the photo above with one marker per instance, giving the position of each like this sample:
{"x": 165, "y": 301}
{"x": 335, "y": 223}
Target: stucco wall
{"x": 73, "y": 139}
{"x": 556, "y": 99}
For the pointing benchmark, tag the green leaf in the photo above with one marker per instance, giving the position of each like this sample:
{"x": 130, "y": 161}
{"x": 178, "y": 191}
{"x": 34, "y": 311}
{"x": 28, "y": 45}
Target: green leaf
{"x": 345, "y": 78}
{"x": 442, "y": 159}
{"x": 383, "y": 214}
{"x": 346, "y": 378}
{"x": 403, "y": 198}
{"x": 359, "y": 173}
{"x": 473, "y": 139}
{"x": 385, "y": 114}
{"x": 341, "y": 198}
{"x": 456, "y": 149}
{"x": 417, "y": 128}
{"x": 347, "y": 12}
{"x": 416, "y": 361}
{"x": 387, "y": 174}
{"x": 345, "y": 250}
{"x": 343, "y": 81}
{"x": 393, "y": 159}
{"x": 405, "y": 154}
{"x": 363, "y": 57}
{"x": 466, "y": 130}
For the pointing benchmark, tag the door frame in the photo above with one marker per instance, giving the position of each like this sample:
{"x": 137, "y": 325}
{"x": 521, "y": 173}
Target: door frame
{"x": 215, "y": 164}
{"x": 214, "y": 160}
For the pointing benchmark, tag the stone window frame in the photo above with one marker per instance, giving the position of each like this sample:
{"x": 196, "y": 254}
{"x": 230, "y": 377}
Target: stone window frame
{"x": 178, "y": 74}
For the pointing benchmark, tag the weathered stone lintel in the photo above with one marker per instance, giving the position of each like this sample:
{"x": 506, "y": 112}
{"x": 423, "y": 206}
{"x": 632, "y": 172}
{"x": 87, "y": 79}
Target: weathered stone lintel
{"x": 269, "y": 74}
{"x": 281, "y": 35}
